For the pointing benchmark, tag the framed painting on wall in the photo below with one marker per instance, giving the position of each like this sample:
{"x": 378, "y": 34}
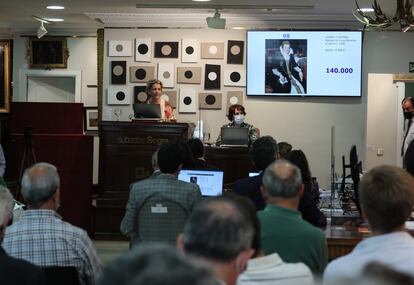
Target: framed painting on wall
{"x": 48, "y": 53}
{"x": 4, "y": 76}
{"x": 91, "y": 118}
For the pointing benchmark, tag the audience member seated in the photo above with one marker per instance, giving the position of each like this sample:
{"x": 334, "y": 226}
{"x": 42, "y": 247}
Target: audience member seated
{"x": 197, "y": 149}
{"x": 409, "y": 158}
{"x": 41, "y": 237}
{"x": 155, "y": 264}
{"x": 189, "y": 160}
{"x": 236, "y": 115}
{"x": 375, "y": 273}
{"x": 284, "y": 149}
{"x": 283, "y": 229}
{"x": 170, "y": 160}
{"x": 307, "y": 206}
{"x": 263, "y": 152}
{"x": 387, "y": 199}
{"x": 155, "y": 167}
{"x": 219, "y": 234}
{"x": 14, "y": 271}
{"x": 270, "y": 269}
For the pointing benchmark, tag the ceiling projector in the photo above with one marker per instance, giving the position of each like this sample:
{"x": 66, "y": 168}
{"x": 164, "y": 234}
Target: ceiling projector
{"x": 216, "y": 22}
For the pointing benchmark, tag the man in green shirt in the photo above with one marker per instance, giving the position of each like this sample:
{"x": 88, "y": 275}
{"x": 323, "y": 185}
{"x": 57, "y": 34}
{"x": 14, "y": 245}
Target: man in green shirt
{"x": 282, "y": 228}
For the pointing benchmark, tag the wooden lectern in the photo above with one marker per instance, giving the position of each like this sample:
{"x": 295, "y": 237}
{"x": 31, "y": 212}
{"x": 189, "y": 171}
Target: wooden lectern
{"x": 125, "y": 151}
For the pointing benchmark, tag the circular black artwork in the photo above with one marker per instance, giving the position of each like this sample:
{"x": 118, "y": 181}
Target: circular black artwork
{"x": 235, "y": 76}
{"x": 210, "y": 99}
{"x": 120, "y": 96}
{"x": 140, "y": 73}
{"x": 189, "y": 50}
{"x": 142, "y": 48}
{"x": 187, "y": 100}
{"x": 188, "y": 74}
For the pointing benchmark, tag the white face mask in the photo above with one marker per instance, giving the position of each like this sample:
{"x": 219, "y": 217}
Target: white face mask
{"x": 238, "y": 119}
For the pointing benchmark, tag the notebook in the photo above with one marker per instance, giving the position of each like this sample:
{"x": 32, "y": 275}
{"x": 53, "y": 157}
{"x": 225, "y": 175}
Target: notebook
{"x": 151, "y": 111}
{"x": 234, "y": 136}
{"x": 209, "y": 181}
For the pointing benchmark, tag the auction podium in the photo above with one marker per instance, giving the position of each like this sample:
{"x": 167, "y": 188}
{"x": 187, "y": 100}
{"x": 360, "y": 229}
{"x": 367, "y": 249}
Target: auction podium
{"x": 125, "y": 151}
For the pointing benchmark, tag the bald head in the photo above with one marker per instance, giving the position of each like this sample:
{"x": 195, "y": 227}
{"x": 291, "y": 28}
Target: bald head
{"x": 39, "y": 183}
{"x": 282, "y": 180}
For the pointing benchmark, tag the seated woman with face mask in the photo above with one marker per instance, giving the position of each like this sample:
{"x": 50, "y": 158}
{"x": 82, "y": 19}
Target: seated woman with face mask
{"x": 236, "y": 116}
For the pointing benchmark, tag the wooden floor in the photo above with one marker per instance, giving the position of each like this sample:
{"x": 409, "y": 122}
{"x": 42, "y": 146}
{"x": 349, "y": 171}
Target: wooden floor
{"x": 109, "y": 250}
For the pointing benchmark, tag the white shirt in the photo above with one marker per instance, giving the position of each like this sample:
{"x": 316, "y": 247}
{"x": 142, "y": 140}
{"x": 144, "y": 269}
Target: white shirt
{"x": 410, "y": 136}
{"x": 395, "y": 250}
{"x": 271, "y": 270}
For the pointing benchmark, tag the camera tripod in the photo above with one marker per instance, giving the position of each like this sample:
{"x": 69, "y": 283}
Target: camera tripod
{"x": 28, "y": 158}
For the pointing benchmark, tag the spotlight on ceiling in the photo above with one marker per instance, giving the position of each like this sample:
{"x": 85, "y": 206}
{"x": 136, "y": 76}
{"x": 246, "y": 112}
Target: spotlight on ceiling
{"x": 216, "y": 22}
{"x": 41, "y": 31}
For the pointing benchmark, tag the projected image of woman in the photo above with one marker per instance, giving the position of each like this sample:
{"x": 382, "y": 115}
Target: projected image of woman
{"x": 284, "y": 73}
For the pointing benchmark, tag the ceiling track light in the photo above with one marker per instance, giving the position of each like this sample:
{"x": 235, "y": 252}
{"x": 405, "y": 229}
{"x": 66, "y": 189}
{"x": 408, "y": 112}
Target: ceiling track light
{"x": 41, "y": 31}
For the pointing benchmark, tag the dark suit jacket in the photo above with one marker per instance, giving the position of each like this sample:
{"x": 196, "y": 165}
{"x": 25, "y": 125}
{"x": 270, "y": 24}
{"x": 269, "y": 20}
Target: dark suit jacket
{"x": 250, "y": 188}
{"x": 15, "y": 271}
{"x": 310, "y": 212}
{"x": 201, "y": 164}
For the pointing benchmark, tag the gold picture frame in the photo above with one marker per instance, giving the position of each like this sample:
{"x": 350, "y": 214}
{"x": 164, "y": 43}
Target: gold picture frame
{"x": 5, "y": 76}
{"x": 48, "y": 52}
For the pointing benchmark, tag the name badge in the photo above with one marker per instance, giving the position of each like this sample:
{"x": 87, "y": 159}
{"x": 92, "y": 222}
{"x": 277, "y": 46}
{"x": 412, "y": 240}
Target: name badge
{"x": 159, "y": 209}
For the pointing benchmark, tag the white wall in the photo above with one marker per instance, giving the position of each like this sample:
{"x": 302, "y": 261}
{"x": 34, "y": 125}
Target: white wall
{"x": 82, "y": 57}
{"x": 382, "y": 118}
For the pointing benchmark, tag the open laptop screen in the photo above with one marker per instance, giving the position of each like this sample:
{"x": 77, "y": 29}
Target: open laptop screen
{"x": 210, "y": 182}
{"x": 234, "y": 136}
{"x": 142, "y": 110}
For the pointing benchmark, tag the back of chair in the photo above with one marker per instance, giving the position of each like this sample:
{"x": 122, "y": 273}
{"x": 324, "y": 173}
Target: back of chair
{"x": 61, "y": 275}
{"x": 161, "y": 219}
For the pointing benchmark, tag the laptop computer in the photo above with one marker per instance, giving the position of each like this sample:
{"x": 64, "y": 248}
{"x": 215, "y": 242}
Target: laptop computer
{"x": 147, "y": 111}
{"x": 234, "y": 136}
{"x": 209, "y": 181}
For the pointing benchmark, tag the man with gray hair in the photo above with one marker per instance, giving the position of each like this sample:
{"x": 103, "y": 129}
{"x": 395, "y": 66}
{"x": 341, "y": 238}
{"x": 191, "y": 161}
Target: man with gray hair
{"x": 219, "y": 233}
{"x": 12, "y": 270}
{"x": 41, "y": 237}
{"x": 283, "y": 229}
